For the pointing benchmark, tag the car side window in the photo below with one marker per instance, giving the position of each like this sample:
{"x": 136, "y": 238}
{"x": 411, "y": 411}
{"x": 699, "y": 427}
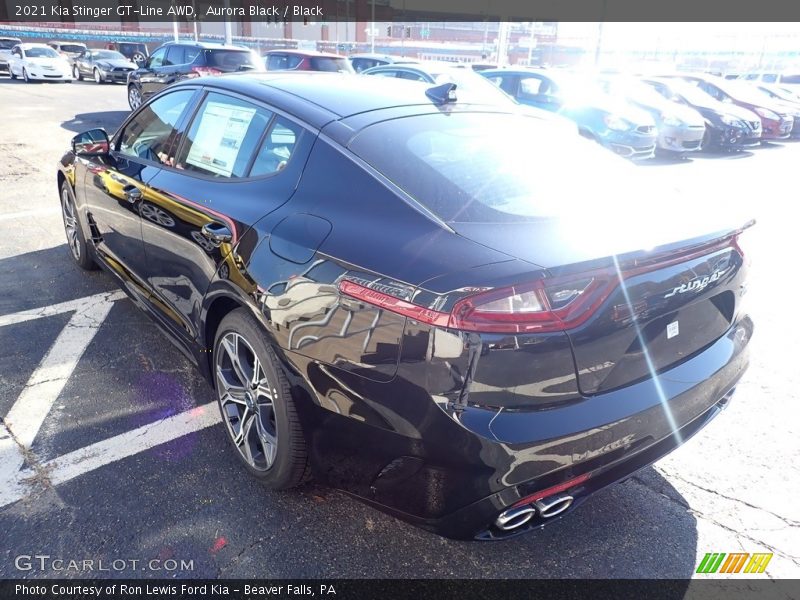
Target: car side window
{"x": 174, "y": 56}
{"x": 152, "y": 133}
{"x": 532, "y": 87}
{"x": 387, "y": 73}
{"x": 157, "y": 58}
{"x": 223, "y": 137}
{"x": 277, "y": 148}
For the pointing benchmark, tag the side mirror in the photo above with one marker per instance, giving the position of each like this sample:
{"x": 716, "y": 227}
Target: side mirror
{"x": 91, "y": 143}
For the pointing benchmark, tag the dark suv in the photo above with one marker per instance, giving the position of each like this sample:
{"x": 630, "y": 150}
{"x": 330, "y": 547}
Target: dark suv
{"x": 136, "y": 52}
{"x": 183, "y": 60}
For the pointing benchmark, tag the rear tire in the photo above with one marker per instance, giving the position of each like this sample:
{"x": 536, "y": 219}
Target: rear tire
{"x": 256, "y": 404}
{"x": 81, "y": 253}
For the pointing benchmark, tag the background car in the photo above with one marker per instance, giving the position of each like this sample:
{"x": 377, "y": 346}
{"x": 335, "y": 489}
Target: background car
{"x": 6, "y": 44}
{"x": 38, "y": 62}
{"x": 104, "y": 66}
{"x": 362, "y": 62}
{"x": 175, "y": 61}
{"x": 470, "y": 86}
{"x": 612, "y": 122}
{"x": 728, "y": 126}
{"x": 301, "y": 60}
{"x": 789, "y": 80}
{"x": 787, "y": 99}
{"x": 363, "y": 240}
{"x": 776, "y": 121}
{"x": 69, "y": 49}
{"x": 681, "y": 129}
{"x": 136, "y": 52}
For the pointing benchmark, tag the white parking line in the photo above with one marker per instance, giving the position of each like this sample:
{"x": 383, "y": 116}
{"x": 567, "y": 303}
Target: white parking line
{"x": 30, "y": 213}
{"x": 79, "y": 462}
{"x": 45, "y": 384}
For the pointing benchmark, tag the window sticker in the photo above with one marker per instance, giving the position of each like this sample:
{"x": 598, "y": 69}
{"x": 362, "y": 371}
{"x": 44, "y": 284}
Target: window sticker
{"x": 219, "y": 137}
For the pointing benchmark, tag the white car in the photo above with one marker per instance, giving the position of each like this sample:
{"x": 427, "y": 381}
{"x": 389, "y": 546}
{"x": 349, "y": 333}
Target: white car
{"x": 38, "y": 62}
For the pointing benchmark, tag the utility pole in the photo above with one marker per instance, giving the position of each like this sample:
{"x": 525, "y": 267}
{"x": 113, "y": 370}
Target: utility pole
{"x": 373, "y": 29}
{"x": 228, "y": 28}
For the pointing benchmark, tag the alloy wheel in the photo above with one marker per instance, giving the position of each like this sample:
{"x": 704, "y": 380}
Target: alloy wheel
{"x": 25, "y": 75}
{"x": 70, "y": 224}
{"x": 246, "y": 399}
{"x": 96, "y": 76}
{"x": 134, "y": 97}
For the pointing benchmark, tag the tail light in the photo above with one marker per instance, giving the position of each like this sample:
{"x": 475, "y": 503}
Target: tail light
{"x": 204, "y": 71}
{"x": 545, "y": 305}
{"x": 542, "y": 306}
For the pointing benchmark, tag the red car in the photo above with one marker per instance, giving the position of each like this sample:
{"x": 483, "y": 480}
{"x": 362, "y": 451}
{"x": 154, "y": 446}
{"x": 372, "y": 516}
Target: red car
{"x": 306, "y": 60}
{"x": 776, "y": 121}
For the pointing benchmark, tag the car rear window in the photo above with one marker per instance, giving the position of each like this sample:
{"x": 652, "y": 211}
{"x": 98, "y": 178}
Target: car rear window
{"x": 473, "y": 167}
{"x": 232, "y": 60}
{"x": 330, "y": 63}
{"x": 795, "y": 79}
{"x": 72, "y": 48}
{"x": 8, "y": 44}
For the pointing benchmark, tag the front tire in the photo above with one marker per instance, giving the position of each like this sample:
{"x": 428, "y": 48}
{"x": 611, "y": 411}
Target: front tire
{"x": 25, "y": 75}
{"x": 97, "y": 77}
{"x": 76, "y": 241}
{"x": 256, "y": 404}
{"x": 11, "y": 73}
{"x": 134, "y": 97}
{"x": 76, "y": 73}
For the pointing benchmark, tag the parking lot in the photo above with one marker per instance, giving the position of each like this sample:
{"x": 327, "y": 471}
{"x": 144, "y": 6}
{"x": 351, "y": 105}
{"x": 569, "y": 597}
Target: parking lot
{"x": 126, "y": 459}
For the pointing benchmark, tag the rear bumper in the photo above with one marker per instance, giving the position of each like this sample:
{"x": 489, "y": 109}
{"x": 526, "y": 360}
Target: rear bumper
{"x": 458, "y": 468}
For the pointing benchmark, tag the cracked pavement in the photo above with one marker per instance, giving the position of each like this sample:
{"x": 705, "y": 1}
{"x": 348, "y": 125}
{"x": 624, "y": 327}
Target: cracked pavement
{"x": 731, "y": 488}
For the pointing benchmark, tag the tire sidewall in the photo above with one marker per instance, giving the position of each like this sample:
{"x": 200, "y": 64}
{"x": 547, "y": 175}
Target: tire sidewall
{"x": 280, "y": 474}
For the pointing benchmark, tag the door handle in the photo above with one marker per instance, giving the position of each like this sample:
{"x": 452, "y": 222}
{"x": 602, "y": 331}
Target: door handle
{"x": 216, "y": 232}
{"x": 132, "y": 193}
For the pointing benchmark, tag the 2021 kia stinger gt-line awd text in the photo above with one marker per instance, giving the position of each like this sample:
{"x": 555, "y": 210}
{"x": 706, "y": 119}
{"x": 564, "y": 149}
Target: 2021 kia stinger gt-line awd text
{"x": 453, "y": 311}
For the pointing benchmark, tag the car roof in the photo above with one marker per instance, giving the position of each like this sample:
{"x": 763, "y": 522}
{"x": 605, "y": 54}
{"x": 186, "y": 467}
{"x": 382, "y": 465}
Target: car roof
{"x": 34, "y": 45}
{"x": 321, "y": 97}
{"x": 66, "y": 42}
{"x": 203, "y": 45}
{"x": 301, "y": 52}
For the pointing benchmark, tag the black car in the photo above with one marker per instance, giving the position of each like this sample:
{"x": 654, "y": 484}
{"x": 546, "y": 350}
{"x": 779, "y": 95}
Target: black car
{"x": 386, "y": 296}
{"x": 176, "y": 61}
{"x": 136, "y": 52}
{"x": 103, "y": 66}
{"x": 728, "y": 126}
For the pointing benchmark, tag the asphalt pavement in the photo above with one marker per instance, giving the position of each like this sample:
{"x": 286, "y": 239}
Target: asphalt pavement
{"x": 127, "y": 464}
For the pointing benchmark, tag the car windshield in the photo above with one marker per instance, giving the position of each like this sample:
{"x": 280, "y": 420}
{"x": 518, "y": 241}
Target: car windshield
{"x": 131, "y": 47}
{"x": 8, "y": 44}
{"x": 477, "y": 87}
{"x": 41, "y": 53}
{"x": 334, "y": 64}
{"x": 692, "y": 94}
{"x": 635, "y": 91}
{"x": 107, "y": 55}
{"x": 790, "y": 79}
{"x": 490, "y": 168}
{"x": 740, "y": 90}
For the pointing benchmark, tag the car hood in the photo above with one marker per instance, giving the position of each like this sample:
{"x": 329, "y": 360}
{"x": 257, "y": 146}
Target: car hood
{"x": 601, "y": 232}
{"x": 623, "y": 109}
{"x": 737, "y": 111}
{"x": 117, "y": 63}
{"x": 59, "y": 63}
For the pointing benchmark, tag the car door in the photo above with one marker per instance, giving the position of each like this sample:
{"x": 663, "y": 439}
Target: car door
{"x": 84, "y": 62}
{"x": 115, "y": 186}
{"x": 150, "y": 76}
{"x": 238, "y": 161}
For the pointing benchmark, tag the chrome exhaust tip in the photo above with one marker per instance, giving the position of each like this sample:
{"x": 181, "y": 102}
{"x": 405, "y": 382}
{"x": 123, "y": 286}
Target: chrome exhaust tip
{"x": 515, "y": 517}
{"x": 553, "y": 505}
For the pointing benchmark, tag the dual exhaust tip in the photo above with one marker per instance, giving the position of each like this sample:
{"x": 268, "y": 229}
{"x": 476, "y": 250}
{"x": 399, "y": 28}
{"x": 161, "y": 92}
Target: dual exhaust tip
{"x": 515, "y": 517}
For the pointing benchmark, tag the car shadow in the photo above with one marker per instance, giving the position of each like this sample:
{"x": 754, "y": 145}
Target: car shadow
{"x": 108, "y": 120}
{"x": 723, "y": 154}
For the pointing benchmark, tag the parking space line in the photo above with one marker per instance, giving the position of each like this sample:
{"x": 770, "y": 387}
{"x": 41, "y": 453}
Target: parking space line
{"x": 94, "y": 456}
{"x": 62, "y": 307}
{"x": 30, "y": 213}
{"x": 22, "y": 423}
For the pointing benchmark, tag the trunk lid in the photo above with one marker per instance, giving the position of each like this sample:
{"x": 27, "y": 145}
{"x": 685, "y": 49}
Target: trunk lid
{"x": 681, "y": 290}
